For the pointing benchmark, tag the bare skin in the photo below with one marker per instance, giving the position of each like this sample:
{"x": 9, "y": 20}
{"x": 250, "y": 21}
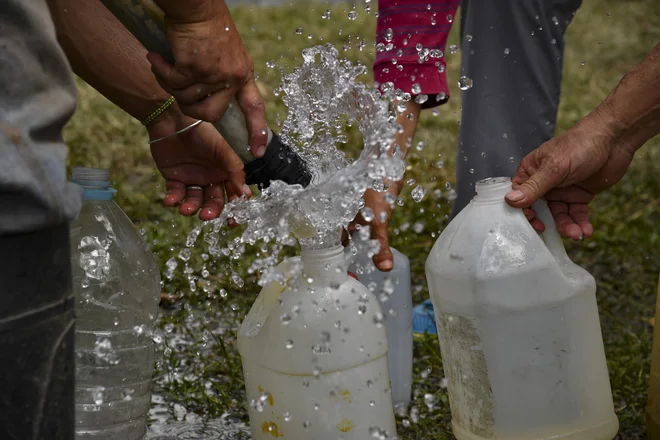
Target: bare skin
{"x": 384, "y": 260}
{"x": 110, "y": 59}
{"x": 211, "y": 65}
{"x": 592, "y": 156}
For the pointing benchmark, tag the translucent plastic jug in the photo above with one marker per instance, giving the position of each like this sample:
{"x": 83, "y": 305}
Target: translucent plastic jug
{"x": 394, "y": 294}
{"x": 518, "y": 326}
{"x": 117, "y": 286}
{"x": 653, "y": 405}
{"x": 314, "y": 354}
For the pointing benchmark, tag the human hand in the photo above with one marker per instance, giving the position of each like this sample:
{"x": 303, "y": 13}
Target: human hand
{"x": 199, "y": 157}
{"x": 569, "y": 170}
{"x": 381, "y": 204}
{"x": 211, "y": 66}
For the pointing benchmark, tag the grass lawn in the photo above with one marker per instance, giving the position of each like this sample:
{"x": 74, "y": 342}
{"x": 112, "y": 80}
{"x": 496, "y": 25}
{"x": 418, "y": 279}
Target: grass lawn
{"x": 606, "y": 38}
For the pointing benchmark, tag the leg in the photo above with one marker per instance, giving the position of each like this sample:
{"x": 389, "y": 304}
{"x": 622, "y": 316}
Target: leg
{"x": 37, "y": 97}
{"x": 514, "y": 57}
{"x": 36, "y": 336}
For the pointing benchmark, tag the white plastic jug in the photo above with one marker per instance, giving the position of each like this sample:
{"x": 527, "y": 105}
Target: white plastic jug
{"x": 518, "y": 326}
{"x": 394, "y": 294}
{"x": 314, "y": 354}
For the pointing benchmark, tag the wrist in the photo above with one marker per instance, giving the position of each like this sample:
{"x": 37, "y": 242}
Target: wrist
{"x": 168, "y": 122}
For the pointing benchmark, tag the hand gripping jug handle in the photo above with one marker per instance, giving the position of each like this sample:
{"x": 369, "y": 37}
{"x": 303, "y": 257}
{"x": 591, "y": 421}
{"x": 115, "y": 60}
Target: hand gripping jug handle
{"x": 551, "y": 236}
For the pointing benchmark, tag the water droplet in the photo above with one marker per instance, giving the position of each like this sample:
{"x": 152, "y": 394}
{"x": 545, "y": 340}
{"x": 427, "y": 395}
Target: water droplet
{"x": 367, "y": 214}
{"x": 299, "y": 31}
{"x": 287, "y": 417}
{"x": 512, "y": 159}
{"x": 352, "y": 15}
{"x": 464, "y": 83}
{"x": 507, "y": 51}
{"x": 468, "y": 38}
{"x": 429, "y": 400}
{"x": 471, "y": 170}
{"x": 285, "y": 318}
{"x": 416, "y": 89}
{"x": 450, "y": 18}
{"x": 436, "y": 53}
{"x": 453, "y": 49}
{"x": 362, "y": 309}
{"x": 307, "y": 424}
{"x": 418, "y": 193}
{"x": 289, "y": 343}
{"x": 326, "y": 14}
{"x": 418, "y": 227}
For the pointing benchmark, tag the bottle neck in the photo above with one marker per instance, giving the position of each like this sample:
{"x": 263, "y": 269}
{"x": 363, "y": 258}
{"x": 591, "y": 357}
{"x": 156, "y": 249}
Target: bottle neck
{"x": 324, "y": 267}
{"x": 492, "y": 190}
{"x": 95, "y": 183}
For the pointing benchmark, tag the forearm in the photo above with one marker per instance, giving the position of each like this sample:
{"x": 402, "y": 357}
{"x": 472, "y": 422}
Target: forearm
{"x": 408, "y": 121}
{"x": 632, "y": 111}
{"x": 104, "y": 54}
{"x": 193, "y": 11}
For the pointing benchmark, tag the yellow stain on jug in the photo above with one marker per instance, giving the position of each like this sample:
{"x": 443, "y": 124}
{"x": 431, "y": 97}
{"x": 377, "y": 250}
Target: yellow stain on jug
{"x": 345, "y": 425}
{"x": 346, "y": 395}
{"x": 270, "y": 396}
{"x": 272, "y": 429}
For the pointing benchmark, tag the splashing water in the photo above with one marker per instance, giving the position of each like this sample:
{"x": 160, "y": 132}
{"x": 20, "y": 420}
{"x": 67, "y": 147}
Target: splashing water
{"x": 324, "y": 97}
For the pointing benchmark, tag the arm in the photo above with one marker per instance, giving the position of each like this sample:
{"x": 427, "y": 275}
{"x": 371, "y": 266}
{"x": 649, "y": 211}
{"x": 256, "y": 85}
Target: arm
{"x": 104, "y": 54}
{"x": 590, "y": 157}
{"x": 395, "y": 27}
{"x": 211, "y": 66}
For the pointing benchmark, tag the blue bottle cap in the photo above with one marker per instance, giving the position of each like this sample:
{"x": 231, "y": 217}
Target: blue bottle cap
{"x": 424, "y": 318}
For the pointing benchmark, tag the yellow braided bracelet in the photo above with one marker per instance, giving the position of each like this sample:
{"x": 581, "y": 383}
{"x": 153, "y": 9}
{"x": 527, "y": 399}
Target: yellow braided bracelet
{"x": 159, "y": 111}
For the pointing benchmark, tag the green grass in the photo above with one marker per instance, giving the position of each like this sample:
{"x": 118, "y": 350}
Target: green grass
{"x": 604, "y": 41}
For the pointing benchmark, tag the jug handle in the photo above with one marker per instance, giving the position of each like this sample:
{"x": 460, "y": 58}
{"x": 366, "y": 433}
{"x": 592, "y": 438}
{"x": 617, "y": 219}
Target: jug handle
{"x": 551, "y": 236}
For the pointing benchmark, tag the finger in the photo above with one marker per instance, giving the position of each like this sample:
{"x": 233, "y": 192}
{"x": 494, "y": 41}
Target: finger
{"x": 167, "y": 73}
{"x": 195, "y": 93}
{"x": 570, "y": 194}
{"x": 537, "y": 225}
{"x": 175, "y": 193}
{"x": 580, "y": 215}
{"x": 211, "y": 108}
{"x": 563, "y": 221}
{"x": 214, "y": 202}
{"x": 545, "y": 178}
{"x": 384, "y": 260}
{"x": 250, "y": 101}
{"x": 530, "y": 214}
{"x": 192, "y": 203}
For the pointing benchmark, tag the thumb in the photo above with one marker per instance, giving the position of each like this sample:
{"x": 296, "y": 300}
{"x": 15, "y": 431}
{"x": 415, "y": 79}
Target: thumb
{"x": 529, "y": 187}
{"x": 252, "y": 105}
{"x": 383, "y": 260}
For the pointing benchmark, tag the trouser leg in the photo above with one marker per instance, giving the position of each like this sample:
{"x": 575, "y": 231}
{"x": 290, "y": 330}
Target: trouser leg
{"x": 512, "y": 50}
{"x": 36, "y": 336}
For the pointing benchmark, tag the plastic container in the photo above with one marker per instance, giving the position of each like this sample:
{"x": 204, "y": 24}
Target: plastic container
{"x": 653, "y": 406}
{"x": 117, "y": 286}
{"x": 314, "y": 354}
{"x": 518, "y": 327}
{"x": 394, "y": 294}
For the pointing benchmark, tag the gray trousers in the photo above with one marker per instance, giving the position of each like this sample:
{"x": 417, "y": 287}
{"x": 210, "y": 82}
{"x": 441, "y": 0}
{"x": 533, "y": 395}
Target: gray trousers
{"x": 37, "y": 97}
{"x": 513, "y": 51}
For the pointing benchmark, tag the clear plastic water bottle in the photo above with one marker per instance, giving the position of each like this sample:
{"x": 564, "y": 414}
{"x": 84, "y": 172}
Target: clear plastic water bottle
{"x": 117, "y": 285}
{"x": 394, "y": 294}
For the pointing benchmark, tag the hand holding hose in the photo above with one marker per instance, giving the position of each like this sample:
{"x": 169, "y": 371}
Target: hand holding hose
{"x": 211, "y": 66}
